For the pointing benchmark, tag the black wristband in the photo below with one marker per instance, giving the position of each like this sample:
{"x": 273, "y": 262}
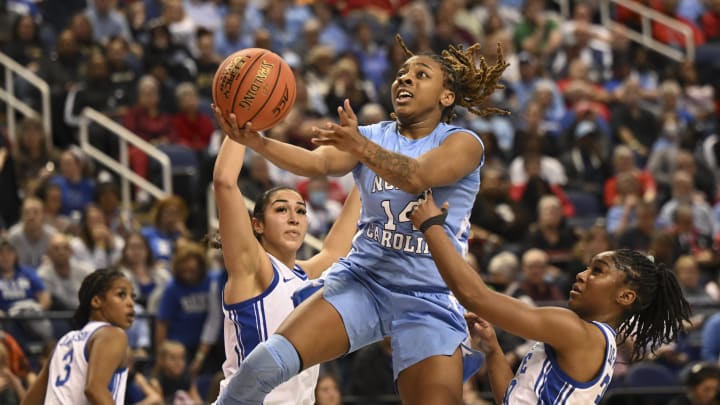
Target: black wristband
{"x": 436, "y": 220}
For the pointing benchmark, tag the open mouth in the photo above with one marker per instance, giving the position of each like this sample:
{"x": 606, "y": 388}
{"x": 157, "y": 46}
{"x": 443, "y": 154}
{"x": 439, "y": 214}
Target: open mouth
{"x": 403, "y": 96}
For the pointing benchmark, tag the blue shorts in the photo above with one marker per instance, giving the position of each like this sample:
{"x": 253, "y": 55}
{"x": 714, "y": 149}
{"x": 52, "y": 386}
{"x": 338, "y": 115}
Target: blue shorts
{"x": 420, "y": 324}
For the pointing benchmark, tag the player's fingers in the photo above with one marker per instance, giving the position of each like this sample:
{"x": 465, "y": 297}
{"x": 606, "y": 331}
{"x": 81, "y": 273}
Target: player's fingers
{"x": 342, "y": 114}
{"x": 349, "y": 110}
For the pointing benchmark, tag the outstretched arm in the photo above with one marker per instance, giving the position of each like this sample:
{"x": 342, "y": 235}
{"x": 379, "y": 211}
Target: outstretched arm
{"x": 249, "y": 269}
{"x": 303, "y": 162}
{"x": 338, "y": 241}
{"x": 484, "y": 338}
{"x": 559, "y": 327}
{"x": 457, "y": 156}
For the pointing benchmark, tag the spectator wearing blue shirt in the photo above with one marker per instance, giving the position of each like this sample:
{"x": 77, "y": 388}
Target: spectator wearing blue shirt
{"x": 76, "y": 188}
{"x": 107, "y": 22}
{"x": 22, "y": 292}
{"x": 231, "y": 37}
{"x": 168, "y": 226}
{"x": 185, "y": 304}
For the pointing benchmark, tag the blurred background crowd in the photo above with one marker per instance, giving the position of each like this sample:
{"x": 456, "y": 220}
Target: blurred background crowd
{"x": 609, "y": 144}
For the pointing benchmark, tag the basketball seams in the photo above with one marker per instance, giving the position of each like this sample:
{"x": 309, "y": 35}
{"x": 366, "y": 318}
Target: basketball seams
{"x": 240, "y": 81}
{"x": 249, "y": 89}
{"x": 272, "y": 92}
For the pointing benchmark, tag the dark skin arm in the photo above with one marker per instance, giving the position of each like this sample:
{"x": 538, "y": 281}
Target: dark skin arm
{"x": 36, "y": 393}
{"x": 107, "y": 352}
{"x": 499, "y": 372}
{"x": 579, "y": 344}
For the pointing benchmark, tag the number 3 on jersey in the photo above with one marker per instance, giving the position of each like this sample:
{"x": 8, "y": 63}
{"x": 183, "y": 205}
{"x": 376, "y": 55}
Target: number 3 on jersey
{"x": 402, "y": 217}
{"x": 67, "y": 360}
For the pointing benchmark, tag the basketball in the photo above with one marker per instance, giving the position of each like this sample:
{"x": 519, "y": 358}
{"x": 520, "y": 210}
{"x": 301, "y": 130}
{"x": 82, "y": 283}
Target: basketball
{"x": 255, "y": 84}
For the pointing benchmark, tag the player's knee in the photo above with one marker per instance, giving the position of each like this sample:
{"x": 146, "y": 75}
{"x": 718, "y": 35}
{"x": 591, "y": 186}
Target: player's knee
{"x": 270, "y": 364}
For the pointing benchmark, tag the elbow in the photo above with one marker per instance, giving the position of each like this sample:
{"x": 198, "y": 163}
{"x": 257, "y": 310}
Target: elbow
{"x": 223, "y": 181}
{"x": 93, "y": 393}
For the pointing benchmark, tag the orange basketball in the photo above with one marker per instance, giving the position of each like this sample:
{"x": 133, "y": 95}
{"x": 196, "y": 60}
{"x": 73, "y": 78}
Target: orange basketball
{"x": 255, "y": 84}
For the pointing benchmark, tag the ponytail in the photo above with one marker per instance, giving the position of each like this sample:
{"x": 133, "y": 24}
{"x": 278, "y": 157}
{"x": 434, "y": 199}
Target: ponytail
{"x": 657, "y": 315}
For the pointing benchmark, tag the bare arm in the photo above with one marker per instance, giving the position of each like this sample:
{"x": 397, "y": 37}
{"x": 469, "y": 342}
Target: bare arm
{"x": 36, "y": 392}
{"x": 338, "y": 241}
{"x": 499, "y": 372}
{"x": 457, "y": 156}
{"x": 43, "y": 297}
{"x": 249, "y": 269}
{"x": 303, "y": 162}
{"x": 151, "y": 396}
{"x": 559, "y": 327}
{"x": 107, "y": 353}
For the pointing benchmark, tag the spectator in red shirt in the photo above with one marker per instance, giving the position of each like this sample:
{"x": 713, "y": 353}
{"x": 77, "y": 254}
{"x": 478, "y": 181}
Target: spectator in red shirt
{"x": 670, "y": 36}
{"x": 147, "y": 121}
{"x": 192, "y": 127}
{"x": 624, "y": 162}
{"x": 710, "y": 21}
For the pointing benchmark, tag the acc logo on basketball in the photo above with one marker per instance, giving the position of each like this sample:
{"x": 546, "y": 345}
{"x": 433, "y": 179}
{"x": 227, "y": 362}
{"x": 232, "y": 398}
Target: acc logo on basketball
{"x": 231, "y": 71}
{"x": 257, "y": 84}
{"x": 283, "y": 101}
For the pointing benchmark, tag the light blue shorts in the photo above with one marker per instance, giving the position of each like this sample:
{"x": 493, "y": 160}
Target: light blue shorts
{"x": 421, "y": 324}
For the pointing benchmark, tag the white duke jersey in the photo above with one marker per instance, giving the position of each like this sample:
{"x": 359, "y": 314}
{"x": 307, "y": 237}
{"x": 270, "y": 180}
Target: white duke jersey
{"x": 252, "y": 321}
{"x": 539, "y": 379}
{"x": 67, "y": 372}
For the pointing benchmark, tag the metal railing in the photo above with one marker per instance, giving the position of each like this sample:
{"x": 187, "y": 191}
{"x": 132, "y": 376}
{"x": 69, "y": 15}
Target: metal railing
{"x": 121, "y": 167}
{"x": 648, "y": 16}
{"x": 13, "y": 103}
{"x": 213, "y": 223}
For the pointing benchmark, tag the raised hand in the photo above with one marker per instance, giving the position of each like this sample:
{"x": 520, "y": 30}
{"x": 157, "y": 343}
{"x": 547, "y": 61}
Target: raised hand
{"x": 344, "y": 136}
{"x": 230, "y": 127}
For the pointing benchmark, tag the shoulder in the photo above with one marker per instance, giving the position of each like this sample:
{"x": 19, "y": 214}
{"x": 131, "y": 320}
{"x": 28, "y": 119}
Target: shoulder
{"x": 109, "y": 334}
{"x": 446, "y": 130}
{"x": 379, "y": 128}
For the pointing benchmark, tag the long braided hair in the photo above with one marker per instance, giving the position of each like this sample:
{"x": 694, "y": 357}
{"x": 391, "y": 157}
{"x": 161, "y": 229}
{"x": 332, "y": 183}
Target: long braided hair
{"x": 469, "y": 76}
{"x": 657, "y": 315}
{"x": 96, "y": 283}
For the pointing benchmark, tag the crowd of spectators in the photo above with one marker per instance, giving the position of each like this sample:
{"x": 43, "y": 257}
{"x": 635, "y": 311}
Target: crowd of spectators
{"x": 608, "y": 144}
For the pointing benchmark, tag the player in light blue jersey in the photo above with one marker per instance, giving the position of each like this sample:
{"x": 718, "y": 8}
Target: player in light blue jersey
{"x": 573, "y": 359}
{"x": 263, "y": 273}
{"x": 89, "y": 365}
{"x": 388, "y": 285}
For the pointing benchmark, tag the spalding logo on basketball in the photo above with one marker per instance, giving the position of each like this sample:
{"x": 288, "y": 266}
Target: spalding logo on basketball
{"x": 257, "y": 85}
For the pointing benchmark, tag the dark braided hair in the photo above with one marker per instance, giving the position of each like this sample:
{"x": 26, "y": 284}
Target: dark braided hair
{"x": 96, "y": 283}
{"x": 656, "y": 317}
{"x": 472, "y": 84}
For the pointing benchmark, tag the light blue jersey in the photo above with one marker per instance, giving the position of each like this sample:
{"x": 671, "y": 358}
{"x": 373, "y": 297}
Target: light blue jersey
{"x": 539, "y": 379}
{"x": 387, "y": 245}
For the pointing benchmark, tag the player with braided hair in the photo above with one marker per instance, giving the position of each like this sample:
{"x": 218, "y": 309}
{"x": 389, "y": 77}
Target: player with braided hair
{"x": 89, "y": 364}
{"x": 621, "y": 291}
{"x": 388, "y": 285}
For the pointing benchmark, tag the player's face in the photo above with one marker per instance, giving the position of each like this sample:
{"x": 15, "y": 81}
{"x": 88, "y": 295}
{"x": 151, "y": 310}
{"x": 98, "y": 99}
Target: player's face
{"x": 117, "y": 304}
{"x": 418, "y": 89}
{"x": 599, "y": 289}
{"x": 285, "y": 221}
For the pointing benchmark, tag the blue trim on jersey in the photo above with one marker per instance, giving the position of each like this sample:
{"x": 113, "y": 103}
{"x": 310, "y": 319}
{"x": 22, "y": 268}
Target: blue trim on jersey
{"x": 240, "y": 305}
{"x": 298, "y": 271}
{"x": 248, "y": 318}
{"x": 551, "y": 356}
